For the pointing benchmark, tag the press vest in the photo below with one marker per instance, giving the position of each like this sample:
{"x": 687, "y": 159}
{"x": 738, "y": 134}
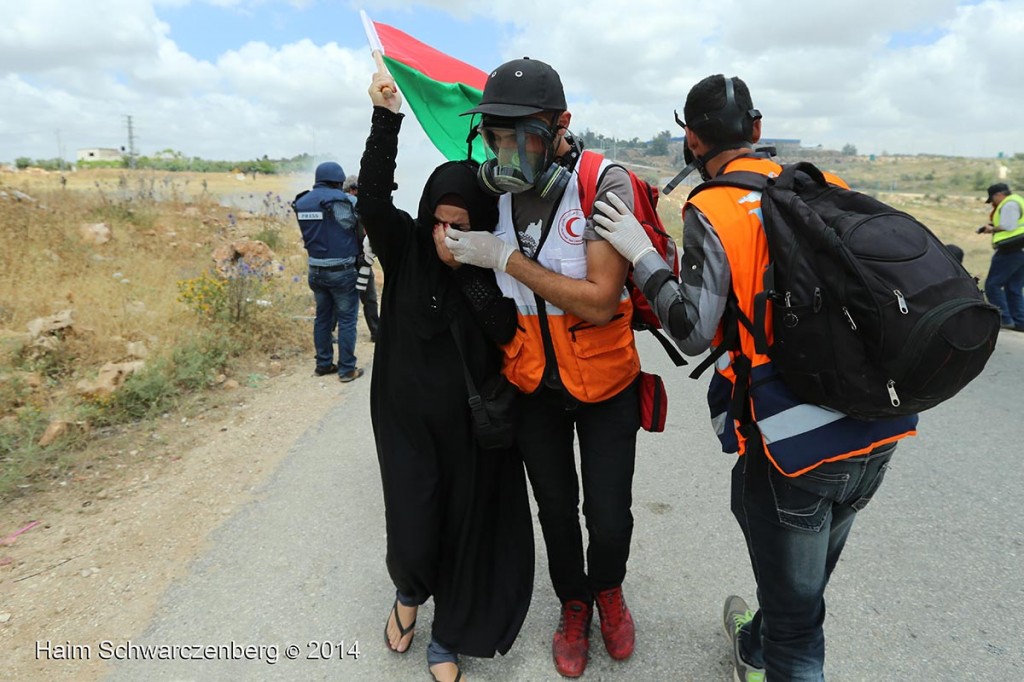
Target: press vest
{"x": 1001, "y": 237}
{"x": 322, "y": 233}
{"x": 797, "y": 436}
{"x": 594, "y": 362}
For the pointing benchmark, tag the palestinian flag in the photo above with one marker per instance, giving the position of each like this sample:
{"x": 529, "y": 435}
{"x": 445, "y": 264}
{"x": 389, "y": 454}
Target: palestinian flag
{"x": 437, "y": 87}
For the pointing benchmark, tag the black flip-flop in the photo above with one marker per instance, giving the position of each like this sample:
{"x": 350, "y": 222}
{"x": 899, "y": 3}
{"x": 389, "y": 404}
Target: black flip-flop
{"x": 403, "y": 631}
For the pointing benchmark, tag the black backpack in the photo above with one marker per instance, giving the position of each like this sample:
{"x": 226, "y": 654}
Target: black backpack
{"x": 872, "y": 316}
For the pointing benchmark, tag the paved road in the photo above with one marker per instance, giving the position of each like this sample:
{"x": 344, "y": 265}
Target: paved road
{"x": 930, "y": 588}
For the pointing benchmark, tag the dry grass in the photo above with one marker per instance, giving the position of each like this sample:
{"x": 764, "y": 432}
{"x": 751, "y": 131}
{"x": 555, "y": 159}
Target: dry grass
{"x": 164, "y": 228}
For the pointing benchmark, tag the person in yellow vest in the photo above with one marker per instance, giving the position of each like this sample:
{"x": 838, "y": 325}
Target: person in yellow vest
{"x": 573, "y": 356}
{"x": 804, "y": 471}
{"x": 1005, "y": 280}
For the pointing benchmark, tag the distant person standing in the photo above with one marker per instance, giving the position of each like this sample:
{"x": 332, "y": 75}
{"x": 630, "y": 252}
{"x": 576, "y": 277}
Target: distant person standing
{"x": 327, "y": 219}
{"x": 364, "y": 266}
{"x": 1005, "y": 280}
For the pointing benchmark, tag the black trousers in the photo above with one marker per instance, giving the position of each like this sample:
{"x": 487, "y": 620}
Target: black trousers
{"x": 607, "y": 444}
{"x": 368, "y": 297}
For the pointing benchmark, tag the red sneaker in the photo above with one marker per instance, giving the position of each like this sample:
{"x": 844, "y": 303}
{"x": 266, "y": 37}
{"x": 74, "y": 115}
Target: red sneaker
{"x": 617, "y": 627}
{"x": 571, "y": 643}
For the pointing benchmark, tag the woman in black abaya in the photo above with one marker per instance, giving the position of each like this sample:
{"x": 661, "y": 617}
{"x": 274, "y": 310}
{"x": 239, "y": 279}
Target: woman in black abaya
{"x": 458, "y": 521}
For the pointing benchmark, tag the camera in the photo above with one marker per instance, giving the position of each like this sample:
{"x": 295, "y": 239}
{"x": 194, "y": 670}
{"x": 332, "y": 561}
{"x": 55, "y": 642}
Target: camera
{"x": 362, "y": 277}
{"x": 981, "y": 229}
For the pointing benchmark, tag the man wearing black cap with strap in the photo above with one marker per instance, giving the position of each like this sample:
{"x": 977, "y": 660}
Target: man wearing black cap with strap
{"x": 573, "y": 356}
{"x": 1005, "y": 280}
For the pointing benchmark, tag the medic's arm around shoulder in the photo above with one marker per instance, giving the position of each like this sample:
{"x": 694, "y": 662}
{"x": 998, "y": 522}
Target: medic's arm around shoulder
{"x": 691, "y": 308}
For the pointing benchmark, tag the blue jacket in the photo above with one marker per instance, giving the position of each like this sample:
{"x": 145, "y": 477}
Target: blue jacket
{"x": 327, "y": 218}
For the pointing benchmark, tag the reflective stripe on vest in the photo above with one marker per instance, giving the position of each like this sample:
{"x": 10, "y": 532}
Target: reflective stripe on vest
{"x": 1005, "y": 235}
{"x": 797, "y": 436}
{"x": 594, "y": 362}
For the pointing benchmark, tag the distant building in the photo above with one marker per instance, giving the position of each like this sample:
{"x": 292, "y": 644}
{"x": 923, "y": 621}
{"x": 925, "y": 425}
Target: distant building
{"x": 99, "y": 154}
{"x": 779, "y": 143}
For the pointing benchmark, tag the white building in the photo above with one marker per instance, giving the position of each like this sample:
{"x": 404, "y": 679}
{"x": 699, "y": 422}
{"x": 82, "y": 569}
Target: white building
{"x": 99, "y": 154}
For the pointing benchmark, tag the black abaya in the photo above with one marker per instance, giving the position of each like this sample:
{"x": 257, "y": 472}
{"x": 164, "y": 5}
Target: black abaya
{"x": 458, "y": 519}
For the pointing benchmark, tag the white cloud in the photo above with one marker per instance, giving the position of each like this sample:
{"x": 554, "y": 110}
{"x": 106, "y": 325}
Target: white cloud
{"x": 822, "y": 72}
{"x": 47, "y": 34}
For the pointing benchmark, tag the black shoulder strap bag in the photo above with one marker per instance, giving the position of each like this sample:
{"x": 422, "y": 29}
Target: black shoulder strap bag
{"x": 494, "y": 409}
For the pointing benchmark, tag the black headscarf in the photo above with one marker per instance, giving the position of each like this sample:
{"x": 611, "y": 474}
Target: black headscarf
{"x": 435, "y": 307}
{"x": 458, "y": 178}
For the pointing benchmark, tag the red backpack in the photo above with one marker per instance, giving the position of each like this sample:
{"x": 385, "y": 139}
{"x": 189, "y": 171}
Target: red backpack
{"x": 645, "y": 202}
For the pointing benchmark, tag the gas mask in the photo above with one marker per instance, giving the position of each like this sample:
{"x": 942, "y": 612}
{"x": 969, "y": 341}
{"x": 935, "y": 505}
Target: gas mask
{"x": 520, "y": 155}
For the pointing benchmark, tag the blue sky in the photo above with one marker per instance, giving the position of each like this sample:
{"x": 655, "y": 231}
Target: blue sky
{"x": 205, "y": 31}
{"x": 237, "y": 79}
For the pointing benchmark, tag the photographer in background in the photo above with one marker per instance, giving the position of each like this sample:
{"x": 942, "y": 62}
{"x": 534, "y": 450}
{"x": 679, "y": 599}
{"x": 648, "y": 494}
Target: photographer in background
{"x": 364, "y": 263}
{"x": 327, "y": 220}
{"x": 1005, "y": 280}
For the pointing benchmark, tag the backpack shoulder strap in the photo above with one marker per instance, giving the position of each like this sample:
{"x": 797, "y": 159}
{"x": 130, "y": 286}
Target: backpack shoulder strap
{"x": 739, "y": 179}
{"x": 589, "y": 167}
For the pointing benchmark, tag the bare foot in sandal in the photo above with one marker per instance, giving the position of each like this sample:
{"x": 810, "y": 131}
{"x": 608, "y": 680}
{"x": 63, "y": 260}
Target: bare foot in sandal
{"x": 401, "y": 627}
{"x": 447, "y": 672}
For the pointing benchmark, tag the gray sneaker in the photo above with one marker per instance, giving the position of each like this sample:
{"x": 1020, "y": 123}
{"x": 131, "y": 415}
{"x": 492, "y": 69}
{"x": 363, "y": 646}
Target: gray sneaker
{"x": 735, "y": 615}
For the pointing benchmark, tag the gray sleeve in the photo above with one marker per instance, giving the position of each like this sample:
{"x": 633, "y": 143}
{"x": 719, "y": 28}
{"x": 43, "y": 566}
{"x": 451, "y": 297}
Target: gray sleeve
{"x": 616, "y": 180}
{"x": 691, "y": 309}
{"x": 1009, "y": 216}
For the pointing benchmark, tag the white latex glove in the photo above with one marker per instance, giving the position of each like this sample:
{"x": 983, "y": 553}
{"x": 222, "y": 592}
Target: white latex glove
{"x": 621, "y": 229}
{"x": 482, "y": 249}
{"x": 368, "y": 256}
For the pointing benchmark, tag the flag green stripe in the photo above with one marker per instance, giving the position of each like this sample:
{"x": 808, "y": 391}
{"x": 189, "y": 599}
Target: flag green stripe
{"x": 437, "y": 107}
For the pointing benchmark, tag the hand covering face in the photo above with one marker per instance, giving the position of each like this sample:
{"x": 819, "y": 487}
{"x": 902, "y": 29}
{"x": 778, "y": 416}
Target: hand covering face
{"x": 458, "y": 178}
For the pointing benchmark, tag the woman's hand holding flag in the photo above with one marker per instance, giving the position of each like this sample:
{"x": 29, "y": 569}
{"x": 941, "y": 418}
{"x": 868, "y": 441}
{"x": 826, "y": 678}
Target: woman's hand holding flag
{"x": 383, "y": 91}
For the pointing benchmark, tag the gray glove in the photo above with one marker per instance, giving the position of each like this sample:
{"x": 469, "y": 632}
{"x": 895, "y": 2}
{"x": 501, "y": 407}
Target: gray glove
{"x": 621, "y": 229}
{"x": 482, "y": 249}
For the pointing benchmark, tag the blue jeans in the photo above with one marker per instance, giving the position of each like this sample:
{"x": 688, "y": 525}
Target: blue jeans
{"x": 336, "y": 299}
{"x": 795, "y": 530}
{"x": 1004, "y": 283}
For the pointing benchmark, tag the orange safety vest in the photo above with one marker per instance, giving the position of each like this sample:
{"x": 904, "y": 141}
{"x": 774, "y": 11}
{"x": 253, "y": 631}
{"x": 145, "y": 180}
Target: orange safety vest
{"x": 797, "y": 437}
{"x": 594, "y": 362}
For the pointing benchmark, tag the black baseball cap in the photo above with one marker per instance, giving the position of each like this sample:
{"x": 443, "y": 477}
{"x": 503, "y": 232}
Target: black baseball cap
{"x": 519, "y": 88}
{"x": 998, "y": 188}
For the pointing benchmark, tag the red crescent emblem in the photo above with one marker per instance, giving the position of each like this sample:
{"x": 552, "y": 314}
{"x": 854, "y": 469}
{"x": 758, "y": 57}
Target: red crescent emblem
{"x": 568, "y": 227}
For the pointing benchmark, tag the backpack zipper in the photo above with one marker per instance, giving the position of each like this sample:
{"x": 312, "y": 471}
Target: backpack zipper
{"x": 902, "y": 302}
{"x": 924, "y": 328}
{"x": 849, "y": 318}
{"x": 893, "y": 397}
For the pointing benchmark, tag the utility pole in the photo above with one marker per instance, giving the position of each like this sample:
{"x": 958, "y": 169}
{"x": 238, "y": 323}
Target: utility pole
{"x": 131, "y": 142}
{"x": 60, "y": 152}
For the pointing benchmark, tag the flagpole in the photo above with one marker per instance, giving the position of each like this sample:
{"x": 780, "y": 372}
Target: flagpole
{"x": 371, "y": 33}
{"x": 376, "y": 48}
